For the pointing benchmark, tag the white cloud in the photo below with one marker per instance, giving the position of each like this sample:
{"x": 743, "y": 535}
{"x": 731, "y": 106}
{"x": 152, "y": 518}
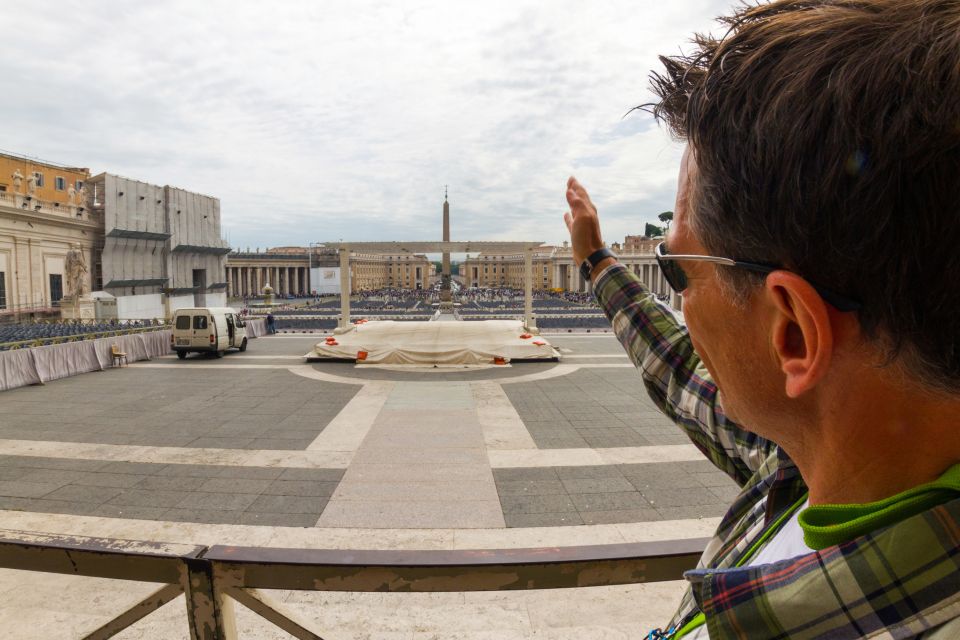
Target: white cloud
{"x": 319, "y": 121}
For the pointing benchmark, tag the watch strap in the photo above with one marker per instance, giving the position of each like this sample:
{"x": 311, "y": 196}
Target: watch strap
{"x": 586, "y": 268}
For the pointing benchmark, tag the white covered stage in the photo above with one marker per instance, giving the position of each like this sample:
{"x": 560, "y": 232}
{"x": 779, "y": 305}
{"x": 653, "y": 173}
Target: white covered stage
{"x": 427, "y": 343}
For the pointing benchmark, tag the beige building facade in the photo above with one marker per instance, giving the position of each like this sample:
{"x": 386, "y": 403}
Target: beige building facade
{"x": 41, "y": 217}
{"x": 553, "y": 268}
{"x": 299, "y": 271}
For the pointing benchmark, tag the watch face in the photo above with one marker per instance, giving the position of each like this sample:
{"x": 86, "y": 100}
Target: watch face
{"x": 585, "y": 269}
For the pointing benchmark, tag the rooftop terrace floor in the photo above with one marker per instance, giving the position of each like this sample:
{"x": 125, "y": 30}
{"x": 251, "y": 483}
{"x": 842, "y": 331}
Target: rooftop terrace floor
{"x": 261, "y": 448}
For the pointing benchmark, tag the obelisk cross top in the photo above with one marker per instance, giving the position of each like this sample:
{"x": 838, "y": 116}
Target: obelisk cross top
{"x": 445, "y": 294}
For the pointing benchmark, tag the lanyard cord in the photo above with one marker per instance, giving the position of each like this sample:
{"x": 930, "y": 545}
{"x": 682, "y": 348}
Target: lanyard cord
{"x": 699, "y": 619}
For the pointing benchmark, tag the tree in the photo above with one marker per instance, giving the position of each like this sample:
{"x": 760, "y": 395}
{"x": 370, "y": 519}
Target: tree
{"x": 666, "y": 217}
{"x": 652, "y": 230}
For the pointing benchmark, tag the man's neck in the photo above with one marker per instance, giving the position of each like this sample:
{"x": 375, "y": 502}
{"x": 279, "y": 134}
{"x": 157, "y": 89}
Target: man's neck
{"x": 878, "y": 445}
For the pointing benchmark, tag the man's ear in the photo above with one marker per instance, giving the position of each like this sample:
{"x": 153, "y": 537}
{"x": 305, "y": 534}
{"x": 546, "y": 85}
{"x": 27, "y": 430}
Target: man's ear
{"x": 801, "y": 332}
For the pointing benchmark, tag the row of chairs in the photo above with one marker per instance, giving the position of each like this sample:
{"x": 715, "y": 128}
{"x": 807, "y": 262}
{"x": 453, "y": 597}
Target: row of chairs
{"x": 44, "y": 331}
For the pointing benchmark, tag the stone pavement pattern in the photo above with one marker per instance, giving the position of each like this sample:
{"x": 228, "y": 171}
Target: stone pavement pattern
{"x": 260, "y": 448}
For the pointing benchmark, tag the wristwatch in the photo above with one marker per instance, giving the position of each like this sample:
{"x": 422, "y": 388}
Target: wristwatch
{"x": 586, "y": 267}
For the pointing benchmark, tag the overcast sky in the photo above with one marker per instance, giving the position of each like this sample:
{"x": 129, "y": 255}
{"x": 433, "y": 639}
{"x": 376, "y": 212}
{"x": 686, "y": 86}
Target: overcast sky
{"x": 320, "y": 121}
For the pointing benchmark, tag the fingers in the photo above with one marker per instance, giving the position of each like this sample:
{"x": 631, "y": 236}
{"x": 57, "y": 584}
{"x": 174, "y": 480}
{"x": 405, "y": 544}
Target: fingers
{"x": 569, "y": 220}
{"x": 577, "y": 196}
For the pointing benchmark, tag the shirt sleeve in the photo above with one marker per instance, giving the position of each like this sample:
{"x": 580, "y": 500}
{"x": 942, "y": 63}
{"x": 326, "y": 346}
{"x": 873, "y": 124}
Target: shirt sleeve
{"x": 676, "y": 379}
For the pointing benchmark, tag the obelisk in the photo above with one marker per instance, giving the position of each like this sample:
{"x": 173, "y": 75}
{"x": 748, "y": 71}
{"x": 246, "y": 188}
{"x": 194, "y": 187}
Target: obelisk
{"x": 446, "y": 298}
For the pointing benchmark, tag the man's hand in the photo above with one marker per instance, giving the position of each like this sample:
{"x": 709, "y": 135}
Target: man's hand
{"x": 582, "y": 222}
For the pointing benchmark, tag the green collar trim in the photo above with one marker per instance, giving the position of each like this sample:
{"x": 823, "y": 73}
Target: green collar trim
{"x": 832, "y": 524}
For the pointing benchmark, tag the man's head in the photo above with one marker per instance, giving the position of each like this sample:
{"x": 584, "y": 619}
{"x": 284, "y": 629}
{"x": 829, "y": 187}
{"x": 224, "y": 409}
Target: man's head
{"x": 826, "y": 138}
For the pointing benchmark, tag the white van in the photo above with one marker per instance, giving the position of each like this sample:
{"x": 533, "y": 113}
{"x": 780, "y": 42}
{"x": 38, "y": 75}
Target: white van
{"x": 209, "y": 330}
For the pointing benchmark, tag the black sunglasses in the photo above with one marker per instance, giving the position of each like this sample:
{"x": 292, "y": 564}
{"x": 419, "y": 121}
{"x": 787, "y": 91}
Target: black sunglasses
{"x": 677, "y": 278}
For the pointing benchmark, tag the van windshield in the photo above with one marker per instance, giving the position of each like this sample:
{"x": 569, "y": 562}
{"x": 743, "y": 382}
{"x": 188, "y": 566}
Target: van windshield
{"x": 199, "y": 322}
{"x": 183, "y": 322}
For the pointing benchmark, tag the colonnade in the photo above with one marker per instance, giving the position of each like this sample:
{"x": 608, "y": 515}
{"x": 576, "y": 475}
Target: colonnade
{"x": 250, "y": 281}
{"x": 567, "y": 276}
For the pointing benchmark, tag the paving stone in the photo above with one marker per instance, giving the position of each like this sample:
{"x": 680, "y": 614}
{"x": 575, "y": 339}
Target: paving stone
{"x": 60, "y": 506}
{"x": 207, "y": 442}
{"x": 194, "y": 470}
{"x": 251, "y": 473}
{"x": 40, "y": 462}
{"x": 537, "y": 504}
{"x": 217, "y": 501}
{"x": 525, "y": 473}
{"x": 52, "y": 476}
{"x": 279, "y": 444}
{"x": 623, "y": 500}
{"x": 205, "y": 516}
{"x": 123, "y": 511}
{"x": 234, "y": 485}
{"x": 695, "y": 512}
{"x": 667, "y": 497}
{"x": 318, "y": 475}
{"x": 81, "y": 493}
{"x": 287, "y": 504}
{"x": 131, "y": 468}
{"x": 614, "y": 517}
{"x": 182, "y": 484}
{"x": 300, "y": 488}
{"x": 20, "y": 489}
{"x": 593, "y": 471}
{"x": 121, "y": 480}
{"x": 278, "y": 519}
{"x": 141, "y": 498}
{"x": 596, "y": 485}
{"x": 530, "y": 487}
{"x": 8, "y": 503}
{"x": 542, "y": 519}
{"x": 725, "y": 494}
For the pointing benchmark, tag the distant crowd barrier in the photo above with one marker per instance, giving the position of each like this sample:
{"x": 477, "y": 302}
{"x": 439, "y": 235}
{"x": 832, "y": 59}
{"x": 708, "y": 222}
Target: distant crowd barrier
{"x": 256, "y": 327}
{"x": 214, "y": 578}
{"x": 21, "y": 367}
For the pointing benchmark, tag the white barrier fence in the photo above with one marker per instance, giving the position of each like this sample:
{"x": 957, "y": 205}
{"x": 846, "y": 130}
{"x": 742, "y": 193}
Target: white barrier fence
{"x": 36, "y": 365}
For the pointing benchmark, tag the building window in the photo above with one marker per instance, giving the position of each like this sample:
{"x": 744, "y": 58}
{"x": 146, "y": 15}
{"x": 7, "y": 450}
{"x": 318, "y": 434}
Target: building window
{"x": 78, "y": 185}
{"x": 56, "y": 288}
{"x": 39, "y": 178}
{"x": 3, "y": 290}
{"x": 60, "y": 183}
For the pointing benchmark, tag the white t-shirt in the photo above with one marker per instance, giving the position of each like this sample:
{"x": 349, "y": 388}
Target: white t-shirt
{"x": 787, "y": 543}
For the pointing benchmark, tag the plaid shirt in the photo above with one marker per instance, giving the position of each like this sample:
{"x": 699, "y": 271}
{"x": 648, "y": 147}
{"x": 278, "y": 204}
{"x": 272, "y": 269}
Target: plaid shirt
{"x": 897, "y": 582}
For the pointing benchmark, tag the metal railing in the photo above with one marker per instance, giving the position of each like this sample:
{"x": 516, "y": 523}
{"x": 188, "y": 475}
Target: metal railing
{"x": 213, "y": 578}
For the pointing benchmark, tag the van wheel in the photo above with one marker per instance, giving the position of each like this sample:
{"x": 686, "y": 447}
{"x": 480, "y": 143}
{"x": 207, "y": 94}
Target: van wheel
{"x": 243, "y": 345}
{"x": 182, "y": 355}
{"x": 218, "y": 354}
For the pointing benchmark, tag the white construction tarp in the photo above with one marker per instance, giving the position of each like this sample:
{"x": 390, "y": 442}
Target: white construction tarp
{"x": 35, "y": 365}
{"x": 415, "y": 342}
{"x": 256, "y": 327}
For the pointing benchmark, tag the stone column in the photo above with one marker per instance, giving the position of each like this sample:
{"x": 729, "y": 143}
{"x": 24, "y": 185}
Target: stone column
{"x": 528, "y": 289}
{"x": 344, "y": 288}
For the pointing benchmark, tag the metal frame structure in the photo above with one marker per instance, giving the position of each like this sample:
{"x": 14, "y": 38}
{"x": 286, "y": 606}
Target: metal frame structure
{"x": 526, "y": 248}
{"x": 213, "y": 578}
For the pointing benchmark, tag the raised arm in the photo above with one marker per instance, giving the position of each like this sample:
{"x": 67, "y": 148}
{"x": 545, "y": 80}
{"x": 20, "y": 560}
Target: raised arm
{"x": 659, "y": 345}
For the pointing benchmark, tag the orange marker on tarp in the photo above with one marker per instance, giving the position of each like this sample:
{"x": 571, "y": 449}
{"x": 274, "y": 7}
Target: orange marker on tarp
{"x": 361, "y": 356}
{"x": 499, "y": 360}
{"x": 525, "y": 336}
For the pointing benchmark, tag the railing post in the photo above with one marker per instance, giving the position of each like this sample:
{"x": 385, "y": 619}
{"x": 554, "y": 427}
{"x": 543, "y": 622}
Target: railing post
{"x": 209, "y": 610}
